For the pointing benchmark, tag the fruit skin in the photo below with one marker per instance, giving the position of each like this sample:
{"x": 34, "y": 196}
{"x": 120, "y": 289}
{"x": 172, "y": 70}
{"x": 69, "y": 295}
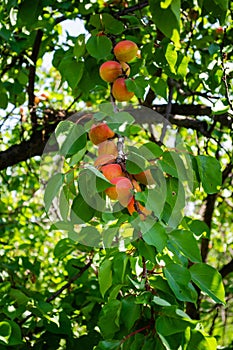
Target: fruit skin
{"x": 219, "y": 31}
{"x": 104, "y": 159}
{"x": 112, "y": 171}
{"x": 125, "y": 50}
{"x": 120, "y": 91}
{"x": 145, "y": 177}
{"x": 107, "y": 147}
{"x": 122, "y": 191}
{"x": 100, "y": 132}
{"x": 110, "y": 71}
{"x": 142, "y": 211}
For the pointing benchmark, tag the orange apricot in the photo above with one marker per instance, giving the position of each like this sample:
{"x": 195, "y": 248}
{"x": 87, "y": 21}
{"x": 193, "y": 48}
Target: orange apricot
{"x": 125, "y": 50}
{"x": 120, "y": 91}
{"x": 100, "y": 132}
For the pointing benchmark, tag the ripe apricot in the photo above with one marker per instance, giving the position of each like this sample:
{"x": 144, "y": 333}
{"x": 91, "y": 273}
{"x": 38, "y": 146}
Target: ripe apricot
{"x": 107, "y": 147}
{"x": 120, "y": 91}
{"x": 125, "y": 50}
{"x": 100, "y": 132}
{"x": 110, "y": 71}
{"x": 104, "y": 159}
{"x": 122, "y": 191}
{"x": 112, "y": 171}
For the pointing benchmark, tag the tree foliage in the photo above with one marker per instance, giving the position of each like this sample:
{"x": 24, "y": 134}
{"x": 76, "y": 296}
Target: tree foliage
{"x": 79, "y": 271}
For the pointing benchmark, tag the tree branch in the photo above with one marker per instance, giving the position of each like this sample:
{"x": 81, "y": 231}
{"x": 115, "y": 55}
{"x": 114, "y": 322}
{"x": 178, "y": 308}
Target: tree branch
{"x": 71, "y": 280}
{"x": 35, "y": 145}
{"x": 133, "y": 8}
{"x": 226, "y": 269}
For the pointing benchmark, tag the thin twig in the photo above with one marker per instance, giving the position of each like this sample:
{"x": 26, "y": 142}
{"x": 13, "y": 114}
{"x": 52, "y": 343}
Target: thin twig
{"x": 133, "y": 8}
{"x": 135, "y": 332}
{"x": 71, "y": 280}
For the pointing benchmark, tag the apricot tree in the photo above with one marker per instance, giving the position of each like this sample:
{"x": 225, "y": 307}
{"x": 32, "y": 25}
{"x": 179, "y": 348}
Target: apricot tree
{"x": 116, "y": 174}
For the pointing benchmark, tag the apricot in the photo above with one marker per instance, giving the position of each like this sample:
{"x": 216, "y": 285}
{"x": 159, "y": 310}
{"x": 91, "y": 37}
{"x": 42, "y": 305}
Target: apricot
{"x": 136, "y": 207}
{"x": 219, "y": 31}
{"x": 145, "y": 177}
{"x": 112, "y": 171}
{"x": 110, "y": 71}
{"x": 104, "y": 159}
{"x": 100, "y": 132}
{"x": 122, "y": 191}
{"x": 120, "y": 91}
{"x": 107, "y": 147}
{"x": 125, "y": 50}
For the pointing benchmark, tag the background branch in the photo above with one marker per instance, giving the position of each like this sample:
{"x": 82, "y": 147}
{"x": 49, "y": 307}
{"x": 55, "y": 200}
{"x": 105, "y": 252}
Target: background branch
{"x": 71, "y": 280}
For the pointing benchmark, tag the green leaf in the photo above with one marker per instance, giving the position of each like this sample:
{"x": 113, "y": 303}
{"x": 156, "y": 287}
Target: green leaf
{"x": 187, "y": 244}
{"x": 105, "y": 276}
{"x": 3, "y": 100}
{"x": 99, "y": 46}
{"x": 171, "y": 57}
{"x": 210, "y": 173}
{"x": 135, "y": 163}
{"x": 175, "y": 194}
{"x": 28, "y": 12}
{"x": 109, "y": 320}
{"x": 178, "y": 278}
{"x": 81, "y": 211}
{"x": 150, "y": 150}
{"x": 172, "y": 321}
{"x": 145, "y": 250}
{"x": 10, "y": 333}
{"x": 199, "y": 227}
{"x": 209, "y": 280}
{"x": 64, "y": 203}
{"x": 120, "y": 263}
{"x": 167, "y": 19}
{"x": 130, "y": 312}
{"x": 91, "y": 182}
{"x": 155, "y": 235}
{"x": 201, "y": 341}
{"x": 79, "y": 47}
{"x": 71, "y": 71}
{"x": 213, "y": 48}
{"x": 183, "y": 66}
{"x": 63, "y": 248}
{"x": 70, "y": 137}
{"x": 88, "y": 236}
{"x": 109, "y": 345}
{"x": 137, "y": 85}
{"x": 159, "y": 86}
{"x": 119, "y": 120}
{"x": 5, "y": 332}
{"x": 112, "y": 25}
{"x": 173, "y": 165}
{"x": 52, "y": 189}
{"x": 19, "y": 297}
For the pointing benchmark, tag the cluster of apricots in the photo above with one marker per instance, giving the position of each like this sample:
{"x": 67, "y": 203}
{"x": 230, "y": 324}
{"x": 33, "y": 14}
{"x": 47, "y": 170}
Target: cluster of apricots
{"x": 116, "y": 72}
{"x": 113, "y": 168}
